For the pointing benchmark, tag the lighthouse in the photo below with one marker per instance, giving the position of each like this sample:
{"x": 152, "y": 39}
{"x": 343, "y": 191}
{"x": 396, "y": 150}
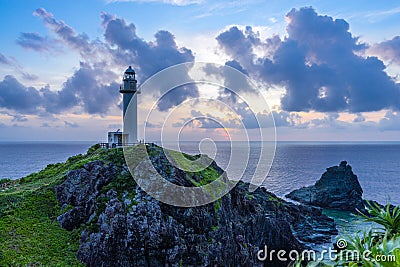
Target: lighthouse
{"x": 129, "y": 92}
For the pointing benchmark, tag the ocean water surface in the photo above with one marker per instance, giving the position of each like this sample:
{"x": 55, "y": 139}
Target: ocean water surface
{"x": 18, "y": 159}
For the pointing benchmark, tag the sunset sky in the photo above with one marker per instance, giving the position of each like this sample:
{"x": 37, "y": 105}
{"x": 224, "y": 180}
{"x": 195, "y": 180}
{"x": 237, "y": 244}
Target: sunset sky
{"x": 328, "y": 69}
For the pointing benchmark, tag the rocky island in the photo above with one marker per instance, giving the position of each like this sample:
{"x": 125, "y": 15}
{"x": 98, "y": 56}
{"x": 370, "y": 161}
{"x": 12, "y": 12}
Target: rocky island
{"x": 90, "y": 211}
{"x": 338, "y": 188}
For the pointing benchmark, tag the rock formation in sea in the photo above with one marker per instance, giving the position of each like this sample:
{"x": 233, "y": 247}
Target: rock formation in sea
{"x": 121, "y": 225}
{"x": 338, "y": 188}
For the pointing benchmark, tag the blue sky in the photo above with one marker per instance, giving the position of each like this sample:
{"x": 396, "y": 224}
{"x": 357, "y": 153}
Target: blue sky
{"x": 63, "y": 84}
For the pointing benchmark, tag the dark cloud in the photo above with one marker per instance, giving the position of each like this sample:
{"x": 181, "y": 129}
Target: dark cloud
{"x": 176, "y": 96}
{"x": 388, "y": 50}
{"x": 4, "y": 60}
{"x": 330, "y": 120}
{"x": 236, "y": 65}
{"x": 318, "y": 65}
{"x": 284, "y": 118}
{"x": 36, "y": 42}
{"x": 15, "y": 117}
{"x": 359, "y": 118}
{"x": 82, "y": 89}
{"x": 85, "y": 90}
{"x": 234, "y": 83}
{"x": 71, "y": 124}
{"x": 29, "y": 77}
{"x": 391, "y": 121}
{"x": 15, "y": 96}
{"x": 147, "y": 57}
{"x": 239, "y": 45}
{"x": 19, "y": 118}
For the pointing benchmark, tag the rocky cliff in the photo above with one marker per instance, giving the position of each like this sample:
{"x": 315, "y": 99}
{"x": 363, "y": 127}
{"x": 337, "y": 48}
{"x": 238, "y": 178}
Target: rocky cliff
{"x": 123, "y": 226}
{"x": 338, "y": 188}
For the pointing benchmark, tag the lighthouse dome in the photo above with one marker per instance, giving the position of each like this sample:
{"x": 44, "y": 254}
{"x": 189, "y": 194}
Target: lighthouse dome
{"x": 129, "y": 74}
{"x": 129, "y": 70}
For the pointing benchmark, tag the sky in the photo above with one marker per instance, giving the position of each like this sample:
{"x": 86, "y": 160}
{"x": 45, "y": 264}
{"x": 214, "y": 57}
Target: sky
{"x": 329, "y": 70}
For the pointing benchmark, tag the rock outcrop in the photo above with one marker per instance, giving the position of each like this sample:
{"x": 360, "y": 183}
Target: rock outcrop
{"x": 80, "y": 190}
{"x": 338, "y": 188}
{"x": 126, "y": 227}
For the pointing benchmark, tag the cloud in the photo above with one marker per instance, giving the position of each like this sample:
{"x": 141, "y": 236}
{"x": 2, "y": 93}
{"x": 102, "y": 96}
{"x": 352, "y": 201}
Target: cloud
{"x": 359, "y": 118}
{"x": 36, "y": 42}
{"x": 15, "y": 96}
{"x": 170, "y": 2}
{"x": 29, "y": 77}
{"x": 391, "y": 122}
{"x": 206, "y": 121}
{"x": 82, "y": 89}
{"x": 15, "y": 117}
{"x": 14, "y": 63}
{"x": 67, "y": 34}
{"x": 4, "y": 60}
{"x": 388, "y": 50}
{"x": 91, "y": 87}
{"x": 318, "y": 64}
{"x": 122, "y": 46}
{"x": 284, "y": 118}
{"x": 19, "y": 118}
{"x": 176, "y": 96}
{"x": 71, "y": 124}
{"x": 148, "y": 58}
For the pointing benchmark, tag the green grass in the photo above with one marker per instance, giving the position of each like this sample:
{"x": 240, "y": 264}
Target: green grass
{"x": 29, "y": 232}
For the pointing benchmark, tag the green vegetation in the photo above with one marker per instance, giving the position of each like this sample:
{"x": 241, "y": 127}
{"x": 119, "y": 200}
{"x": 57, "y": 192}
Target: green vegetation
{"x": 5, "y": 181}
{"x": 380, "y": 245}
{"x": 217, "y": 205}
{"x": 184, "y": 161}
{"x": 29, "y": 233}
{"x": 387, "y": 218}
{"x": 196, "y": 167}
{"x": 275, "y": 200}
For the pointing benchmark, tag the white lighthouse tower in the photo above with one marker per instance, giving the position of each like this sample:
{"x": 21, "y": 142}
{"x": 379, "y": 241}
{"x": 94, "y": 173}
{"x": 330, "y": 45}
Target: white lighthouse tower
{"x": 129, "y": 92}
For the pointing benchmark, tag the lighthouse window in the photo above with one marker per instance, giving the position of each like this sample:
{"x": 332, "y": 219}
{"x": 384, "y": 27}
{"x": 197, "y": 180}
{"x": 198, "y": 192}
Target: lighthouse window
{"x": 129, "y": 76}
{"x": 132, "y": 86}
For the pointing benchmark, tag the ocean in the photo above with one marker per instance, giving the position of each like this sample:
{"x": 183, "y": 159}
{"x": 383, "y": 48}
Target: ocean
{"x": 295, "y": 164}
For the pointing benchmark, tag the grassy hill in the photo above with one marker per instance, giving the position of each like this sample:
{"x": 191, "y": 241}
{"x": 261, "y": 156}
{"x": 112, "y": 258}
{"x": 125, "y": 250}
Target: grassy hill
{"x": 29, "y": 232}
